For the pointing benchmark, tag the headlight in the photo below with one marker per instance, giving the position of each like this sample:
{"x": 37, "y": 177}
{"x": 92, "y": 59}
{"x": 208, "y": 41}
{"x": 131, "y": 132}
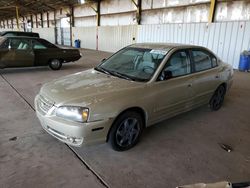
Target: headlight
{"x": 73, "y": 113}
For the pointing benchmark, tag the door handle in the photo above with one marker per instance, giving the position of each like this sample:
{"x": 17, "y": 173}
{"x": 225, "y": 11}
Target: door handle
{"x": 217, "y": 76}
{"x": 189, "y": 85}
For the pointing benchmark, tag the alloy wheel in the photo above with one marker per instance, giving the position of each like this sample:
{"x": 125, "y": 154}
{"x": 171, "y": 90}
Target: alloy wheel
{"x": 127, "y": 132}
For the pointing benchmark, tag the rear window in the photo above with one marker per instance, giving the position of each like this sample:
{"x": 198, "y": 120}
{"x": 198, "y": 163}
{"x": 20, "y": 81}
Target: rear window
{"x": 46, "y": 43}
{"x": 28, "y": 34}
{"x": 9, "y": 34}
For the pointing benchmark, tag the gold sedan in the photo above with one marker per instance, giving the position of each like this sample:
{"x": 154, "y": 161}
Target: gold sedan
{"x": 138, "y": 86}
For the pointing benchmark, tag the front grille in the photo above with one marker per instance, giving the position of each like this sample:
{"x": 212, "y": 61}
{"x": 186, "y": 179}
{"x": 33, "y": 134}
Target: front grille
{"x": 44, "y": 105}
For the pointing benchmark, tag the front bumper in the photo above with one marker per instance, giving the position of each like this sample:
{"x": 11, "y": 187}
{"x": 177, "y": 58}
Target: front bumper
{"x": 74, "y": 133}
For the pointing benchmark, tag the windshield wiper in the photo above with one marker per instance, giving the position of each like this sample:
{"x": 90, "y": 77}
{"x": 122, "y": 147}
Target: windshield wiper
{"x": 102, "y": 70}
{"x": 120, "y": 75}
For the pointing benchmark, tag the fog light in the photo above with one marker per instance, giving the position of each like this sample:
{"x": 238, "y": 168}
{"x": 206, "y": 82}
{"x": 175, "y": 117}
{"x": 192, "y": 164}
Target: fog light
{"x": 74, "y": 140}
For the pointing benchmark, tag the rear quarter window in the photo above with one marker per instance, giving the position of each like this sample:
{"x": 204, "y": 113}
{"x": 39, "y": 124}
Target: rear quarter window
{"x": 203, "y": 60}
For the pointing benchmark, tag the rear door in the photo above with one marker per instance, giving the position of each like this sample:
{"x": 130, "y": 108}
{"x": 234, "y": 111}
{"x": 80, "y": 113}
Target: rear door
{"x": 44, "y": 52}
{"x": 41, "y": 53}
{"x": 20, "y": 53}
{"x": 205, "y": 75}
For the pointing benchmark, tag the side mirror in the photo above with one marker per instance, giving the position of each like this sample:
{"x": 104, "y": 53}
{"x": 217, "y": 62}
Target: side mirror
{"x": 167, "y": 74}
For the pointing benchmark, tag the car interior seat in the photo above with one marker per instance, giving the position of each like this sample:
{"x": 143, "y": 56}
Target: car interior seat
{"x": 146, "y": 61}
{"x": 177, "y": 65}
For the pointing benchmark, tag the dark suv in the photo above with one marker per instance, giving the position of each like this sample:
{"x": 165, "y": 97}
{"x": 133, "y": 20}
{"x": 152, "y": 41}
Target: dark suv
{"x": 19, "y": 33}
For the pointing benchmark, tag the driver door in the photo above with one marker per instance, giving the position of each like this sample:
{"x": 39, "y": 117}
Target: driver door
{"x": 20, "y": 53}
{"x": 173, "y": 93}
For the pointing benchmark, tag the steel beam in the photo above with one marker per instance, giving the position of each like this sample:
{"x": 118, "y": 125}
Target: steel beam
{"x": 212, "y": 11}
{"x": 17, "y": 18}
{"x": 138, "y": 11}
{"x": 98, "y": 14}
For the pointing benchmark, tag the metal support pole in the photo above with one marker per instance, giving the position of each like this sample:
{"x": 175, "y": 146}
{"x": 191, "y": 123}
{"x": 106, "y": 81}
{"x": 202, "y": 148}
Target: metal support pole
{"x": 72, "y": 16}
{"x": 48, "y": 19}
{"x": 138, "y": 11}
{"x": 36, "y": 22}
{"x": 31, "y": 20}
{"x": 17, "y": 18}
{"x": 12, "y": 25}
{"x": 41, "y": 18}
{"x": 98, "y": 15}
{"x": 212, "y": 11}
{"x": 72, "y": 24}
{"x": 55, "y": 27}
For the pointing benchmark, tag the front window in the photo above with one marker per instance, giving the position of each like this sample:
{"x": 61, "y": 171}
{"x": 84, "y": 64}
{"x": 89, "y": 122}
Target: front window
{"x": 177, "y": 65}
{"x": 138, "y": 64}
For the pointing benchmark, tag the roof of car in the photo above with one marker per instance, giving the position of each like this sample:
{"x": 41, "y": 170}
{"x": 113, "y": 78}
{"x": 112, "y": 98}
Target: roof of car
{"x": 16, "y": 32}
{"x": 163, "y": 46}
{"x": 25, "y": 37}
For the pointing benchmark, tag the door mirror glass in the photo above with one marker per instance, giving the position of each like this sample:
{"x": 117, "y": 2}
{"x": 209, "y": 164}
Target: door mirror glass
{"x": 167, "y": 74}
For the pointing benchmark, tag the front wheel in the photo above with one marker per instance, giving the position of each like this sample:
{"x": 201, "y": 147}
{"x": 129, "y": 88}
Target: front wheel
{"x": 217, "y": 99}
{"x": 126, "y": 131}
{"x": 55, "y": 64}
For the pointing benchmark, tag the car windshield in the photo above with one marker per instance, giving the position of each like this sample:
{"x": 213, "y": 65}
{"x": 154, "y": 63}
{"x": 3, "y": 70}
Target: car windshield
{"x": 138, "y": 64}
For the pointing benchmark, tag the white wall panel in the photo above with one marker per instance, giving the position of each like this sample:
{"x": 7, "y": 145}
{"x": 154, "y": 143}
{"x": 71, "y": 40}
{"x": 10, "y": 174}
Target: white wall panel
{"x": 83, "y": 10}
{"x": 226, "y": 39}
{"x": 46, "y": 33}
{"x": 118, "y": 19}
{"x": 7, "y": 29}
{"x": 115, "y": 6}
{"x": 114, "y": 38}
{"x": 85, "y": 21}
{"x": 87, "y": 35}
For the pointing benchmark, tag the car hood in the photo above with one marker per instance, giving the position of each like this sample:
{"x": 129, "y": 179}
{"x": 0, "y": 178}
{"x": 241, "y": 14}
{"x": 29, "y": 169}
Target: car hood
{"x": 86, "y": 84}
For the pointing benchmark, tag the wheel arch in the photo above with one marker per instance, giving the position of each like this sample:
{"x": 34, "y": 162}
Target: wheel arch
{"x": 137, "y": 109}
{"x": 50, "y": 59}
{"x": 224, "y": 84}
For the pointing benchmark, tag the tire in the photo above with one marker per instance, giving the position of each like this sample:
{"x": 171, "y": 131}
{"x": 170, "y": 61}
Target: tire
{"x": 217, "y": 99}
{"x": 126, "y": 131}
{"x": 55, "y": 64}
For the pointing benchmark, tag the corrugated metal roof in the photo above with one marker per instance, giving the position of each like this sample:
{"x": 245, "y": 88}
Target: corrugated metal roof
{"x": 7, "y": 7}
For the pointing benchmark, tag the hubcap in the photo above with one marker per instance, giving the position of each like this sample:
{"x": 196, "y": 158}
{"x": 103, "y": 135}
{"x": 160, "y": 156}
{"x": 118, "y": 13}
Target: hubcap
{"x": 55, "y": 63}
{"x": 127, "y": 132}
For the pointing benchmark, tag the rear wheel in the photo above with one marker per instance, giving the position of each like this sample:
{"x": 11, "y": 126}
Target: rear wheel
{"x": 55, "y": 64}
{"x": 217, "y": 99}
{"x": 126, "y": 131}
